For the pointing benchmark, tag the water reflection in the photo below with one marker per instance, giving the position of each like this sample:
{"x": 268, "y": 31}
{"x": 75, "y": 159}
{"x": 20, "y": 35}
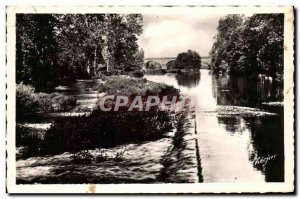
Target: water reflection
{"x": 243, "y": 91}
{"x": 188, "y": 79}
{"x": 265, "y": 147}
{"x": 268, "y": 145}
{"x": 154, "y": 72}
{"x": 234, "y": 148}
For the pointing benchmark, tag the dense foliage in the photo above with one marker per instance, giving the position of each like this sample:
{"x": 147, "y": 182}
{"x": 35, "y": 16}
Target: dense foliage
{"x": 36, "y": 50}
{"x": 51, "y": 48}
{"x": 29, "y": 102}
{"x": 188, "y": 60}
{"x": 153, "y": 65}
{"x": 250, "y": 45}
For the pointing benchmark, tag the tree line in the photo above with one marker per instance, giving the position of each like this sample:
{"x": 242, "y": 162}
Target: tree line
{"x": 53, "y": 47}
{"x": 249, "y": 45}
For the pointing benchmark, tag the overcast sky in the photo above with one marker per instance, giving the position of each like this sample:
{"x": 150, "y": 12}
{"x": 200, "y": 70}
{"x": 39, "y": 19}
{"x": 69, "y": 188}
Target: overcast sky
{"x": 166, "y": 36}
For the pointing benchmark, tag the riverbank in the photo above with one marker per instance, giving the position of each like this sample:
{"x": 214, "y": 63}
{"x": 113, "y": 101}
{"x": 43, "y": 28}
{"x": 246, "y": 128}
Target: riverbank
{"x": 172, "y": 159}
{"x": 151, "y": 142}
{"x": 182, "y": 162}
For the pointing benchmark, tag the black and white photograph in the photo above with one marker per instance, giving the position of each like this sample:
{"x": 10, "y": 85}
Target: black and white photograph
{"x": 150, "y": 99}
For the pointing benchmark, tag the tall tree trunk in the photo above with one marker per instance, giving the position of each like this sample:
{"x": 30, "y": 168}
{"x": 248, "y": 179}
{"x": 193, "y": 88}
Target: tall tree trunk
{"x": 95, "y": 61}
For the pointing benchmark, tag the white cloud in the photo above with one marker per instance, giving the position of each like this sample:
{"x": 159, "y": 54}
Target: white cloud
{"x": 166, "y": 36}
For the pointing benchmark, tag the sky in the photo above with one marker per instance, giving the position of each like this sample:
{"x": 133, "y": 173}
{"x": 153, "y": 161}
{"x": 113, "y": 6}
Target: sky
{"x": 166, "y": 35}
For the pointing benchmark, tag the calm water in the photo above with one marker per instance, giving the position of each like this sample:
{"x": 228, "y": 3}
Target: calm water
{"x": 233, "y": 149}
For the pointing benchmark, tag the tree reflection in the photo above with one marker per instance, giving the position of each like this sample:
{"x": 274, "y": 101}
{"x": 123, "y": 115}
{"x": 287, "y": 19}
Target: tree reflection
{"x": 268, "y": 142}
{"x": 245, "y": 91}
{"x": 266, "y": 145}
{"x": 188, "y": 79}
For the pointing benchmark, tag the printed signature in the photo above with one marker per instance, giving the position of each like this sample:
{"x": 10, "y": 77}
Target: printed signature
{"x": 262, "y": 161}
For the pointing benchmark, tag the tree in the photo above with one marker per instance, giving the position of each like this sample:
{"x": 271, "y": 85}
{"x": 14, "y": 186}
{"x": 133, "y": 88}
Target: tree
{"x": 153, "y": 65}
{"x": 80, "y": 39}
{"x": 188, "y": 60}
{"x": 122, "y": 40}
{"x": 36, "y": 50}
{"x": 269, "y": 29}
{"x": 52, "y": 48}
{"x": 249, "y": 45}
{"x": 93, "y": 39}
{"x": 226, "y": 49}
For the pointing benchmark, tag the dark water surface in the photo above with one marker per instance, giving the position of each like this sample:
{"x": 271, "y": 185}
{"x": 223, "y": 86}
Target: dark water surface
{"x": 235, "y": 148}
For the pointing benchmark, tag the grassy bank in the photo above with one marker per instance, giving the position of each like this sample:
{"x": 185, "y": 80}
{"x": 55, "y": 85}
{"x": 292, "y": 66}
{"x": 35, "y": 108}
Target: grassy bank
{"x": 126, "y": 85}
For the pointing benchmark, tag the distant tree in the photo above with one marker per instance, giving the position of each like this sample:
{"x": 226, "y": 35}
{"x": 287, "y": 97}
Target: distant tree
{"x": 138, "y": 61}
{"x": 188, "y": 60}
{"x": 153, "y": 65}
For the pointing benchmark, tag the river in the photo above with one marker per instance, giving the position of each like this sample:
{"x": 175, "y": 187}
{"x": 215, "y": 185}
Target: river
{"x": 233, "y": 148}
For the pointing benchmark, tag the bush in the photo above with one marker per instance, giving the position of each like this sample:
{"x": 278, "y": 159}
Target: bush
{"x": 137, "y": 73}
{"x": 105, "y": 129}
{"x": 116, "y": 85}
{"x": 61, "y": 102}
{"x": 99, "y": 130}
{"x": 29, "y": 139}
{"x": 28, "y": 102}
{"x": 83, "y": 157}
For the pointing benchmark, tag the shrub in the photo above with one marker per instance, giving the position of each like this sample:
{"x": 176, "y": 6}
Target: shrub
{"x": 61, "y": 102}
{"x": 137, "y": 73}
{"x": 108, "y": 129}
{"x": 28, "y": 102}
{"x": 101, "y": 157}
{"x": 83, "y": 157}
{"x": 120, "y": 155}
{"x": 132, "y": 87}
{"x": 99, "y": 130}
{"x": 27, "y": 138}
